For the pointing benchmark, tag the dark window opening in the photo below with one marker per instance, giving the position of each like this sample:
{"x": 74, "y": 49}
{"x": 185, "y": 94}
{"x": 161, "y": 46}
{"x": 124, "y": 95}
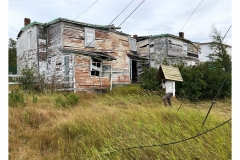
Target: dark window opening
{"x": 95, "y": 67}
{"x": 134, "y": 71}
{"x": 192, "y": 55}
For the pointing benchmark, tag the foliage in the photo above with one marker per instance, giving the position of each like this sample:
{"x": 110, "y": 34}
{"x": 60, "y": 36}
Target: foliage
{"x": 12, "y": 56}
{"x": 220, "y": 56}
{"x": 12, "y": 52}
{"x": 202, "y": 81}
{"x": 148, "y": 80}
{"x": 67, "y": 99}
{"x": 32, "y": 80}
{"x": 110, "y": 122}
{"x": 15, "y": 98}
{"x": 72, "y": 98}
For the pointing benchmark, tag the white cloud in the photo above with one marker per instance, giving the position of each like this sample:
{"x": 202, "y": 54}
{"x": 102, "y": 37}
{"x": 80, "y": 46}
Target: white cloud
{"x": 150, "y": 18}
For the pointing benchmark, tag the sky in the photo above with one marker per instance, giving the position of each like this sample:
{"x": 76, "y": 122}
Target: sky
{"x": 193, "y": 17}
{"x": 141, "y": 17}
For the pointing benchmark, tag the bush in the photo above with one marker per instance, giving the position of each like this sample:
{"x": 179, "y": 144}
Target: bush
{"x": 67, "y": 99}
{"x": 203, "y": 81}
{"x": 15, "y": 98}
{"x": 148, "y": 80}
{"x": 31, "y": 80}
{"x": 72, "y": 98}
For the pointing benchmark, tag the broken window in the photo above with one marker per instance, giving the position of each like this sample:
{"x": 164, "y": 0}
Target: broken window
{"x": 95, "y": 67}
{"x": 89, "y": 37}
{"x": 151, "y": 45}
{"x": 133, "y": 44}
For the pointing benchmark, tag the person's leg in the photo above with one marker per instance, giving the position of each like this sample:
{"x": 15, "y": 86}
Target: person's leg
{"x": 169, "y": 95}
{"x": 165, "y": 100}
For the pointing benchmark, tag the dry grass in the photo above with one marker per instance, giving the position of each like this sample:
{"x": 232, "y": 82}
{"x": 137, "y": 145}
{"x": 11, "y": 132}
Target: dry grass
{"x": 126, "y": 117}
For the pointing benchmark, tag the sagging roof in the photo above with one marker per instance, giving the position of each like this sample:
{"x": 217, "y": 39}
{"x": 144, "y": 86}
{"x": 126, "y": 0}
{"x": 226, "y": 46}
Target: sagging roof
{"x": 168, "y": 73}
{"x": 104, "y": 27}
{"x": 213, "y": 42}
{"x": 177, "y": 37}
{"x": 138, "y": 58}
{"x": 95, "y": 54}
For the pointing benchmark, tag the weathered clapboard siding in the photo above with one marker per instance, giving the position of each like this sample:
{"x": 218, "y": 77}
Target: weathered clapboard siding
{"x": 27, "y": 49}
{"x": 84, "y": 80}
{"x": 116, "y": 44}
{"x": 61, "y": 52}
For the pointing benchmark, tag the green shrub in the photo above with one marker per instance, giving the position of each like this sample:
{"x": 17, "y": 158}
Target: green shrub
{"x": 60, "y": 102}
{"x": 72, "y": 98}
{"x": 203, "y": 81}
{"x": 148, "y": 80}
{"x": 67, "y": 99}
{"x": 15, "y": 98}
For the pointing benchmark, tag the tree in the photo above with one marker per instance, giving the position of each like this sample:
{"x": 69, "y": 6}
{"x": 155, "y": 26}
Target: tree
{"x": 221, "y": 58}
{"x": 12, "y": 52}
{"x": 12, "y": 56}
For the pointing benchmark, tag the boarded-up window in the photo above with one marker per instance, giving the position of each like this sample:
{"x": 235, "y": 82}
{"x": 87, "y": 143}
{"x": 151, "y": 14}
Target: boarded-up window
{"x": 95, "y": 67}
{"x": 133, "y": 44}
{"x": 29, "y": 39}
{"x": 184, "y": 48}
{"x": 89, "y": 37}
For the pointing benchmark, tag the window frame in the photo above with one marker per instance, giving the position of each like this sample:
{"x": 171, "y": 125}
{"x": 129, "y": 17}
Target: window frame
{"x": 89, "y": 37}
{"x": 95, "y": 67}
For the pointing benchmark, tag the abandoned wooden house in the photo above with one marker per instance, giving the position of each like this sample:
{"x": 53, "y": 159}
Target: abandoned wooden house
{"x": 169, "y": 48}
{"x": 81, "y": 56}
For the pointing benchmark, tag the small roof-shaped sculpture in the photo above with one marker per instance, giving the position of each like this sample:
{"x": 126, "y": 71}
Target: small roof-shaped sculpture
{"x": 168, "y": 73}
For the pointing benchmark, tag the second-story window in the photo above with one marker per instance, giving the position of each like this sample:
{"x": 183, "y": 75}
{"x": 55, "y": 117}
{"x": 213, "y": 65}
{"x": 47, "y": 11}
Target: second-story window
{"x": 184, "y": 48}
{"x": 133, "y": 44}
{"x": 29, "y": 39}
{"x": 89, "y": 37}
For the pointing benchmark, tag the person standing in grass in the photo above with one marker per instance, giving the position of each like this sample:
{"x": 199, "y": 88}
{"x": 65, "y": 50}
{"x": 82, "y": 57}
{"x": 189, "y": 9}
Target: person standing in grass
{"x": 169, "y": 87}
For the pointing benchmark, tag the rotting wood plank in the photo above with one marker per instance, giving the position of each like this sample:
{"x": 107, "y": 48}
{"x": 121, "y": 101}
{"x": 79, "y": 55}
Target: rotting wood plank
{"x": 143, "y": 43}
{"x": 168, "y": 73}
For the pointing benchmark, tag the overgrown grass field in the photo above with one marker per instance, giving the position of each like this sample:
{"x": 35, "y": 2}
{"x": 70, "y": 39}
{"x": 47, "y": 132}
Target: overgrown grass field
{"x": 126, "y": 123}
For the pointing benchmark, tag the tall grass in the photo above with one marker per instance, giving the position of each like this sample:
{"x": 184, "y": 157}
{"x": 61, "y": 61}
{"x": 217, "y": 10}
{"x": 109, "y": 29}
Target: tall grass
{"x": 115, "y": 125}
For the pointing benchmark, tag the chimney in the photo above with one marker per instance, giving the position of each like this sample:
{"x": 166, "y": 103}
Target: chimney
{"x": 181, "y": 34}
{"x": 27, "y": 21}
{"x": 135, "y": 36}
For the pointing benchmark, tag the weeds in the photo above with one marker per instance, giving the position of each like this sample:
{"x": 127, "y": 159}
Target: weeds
{"x": 127, "y": 117}
{"x": 16, "y": 98}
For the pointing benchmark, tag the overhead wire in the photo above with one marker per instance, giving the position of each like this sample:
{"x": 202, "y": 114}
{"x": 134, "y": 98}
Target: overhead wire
{"x": 190, "y": 15}
{"x": 110, "y": 23}
{"x": 86, "y": 9}
{"x": 121, "y": 23}
{"x": 170, "y": 143}
{"x": 111, "y": 31}
{"x": 214, "y": 99}
{"x": 205, "y": 79}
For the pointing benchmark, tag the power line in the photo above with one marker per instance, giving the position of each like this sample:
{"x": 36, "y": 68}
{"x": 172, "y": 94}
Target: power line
{"x": 111, "y": 31}
{"x": 191, "y": 15}
{"x": 213, "y": 101}
{"x": 121, "y": 12}
{"x": 175, "y": 142}
{"x": 121, "y": 23}
{"x": 109, "y": 24}
{"x": 213, "y": 53}
{"x": 86, "y": 9}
